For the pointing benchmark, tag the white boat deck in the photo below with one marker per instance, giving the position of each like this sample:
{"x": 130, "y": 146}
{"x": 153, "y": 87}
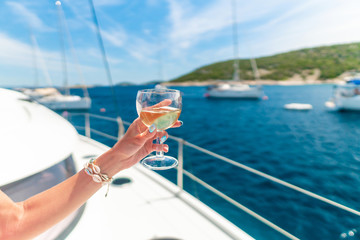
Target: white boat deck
{"x": 149, "y": 207}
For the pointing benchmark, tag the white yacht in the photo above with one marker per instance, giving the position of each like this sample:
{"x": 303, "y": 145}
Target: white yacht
{"x": 235, "y": 91}
{"x": 346, "y": 96}
{"x": 146, "y": 206}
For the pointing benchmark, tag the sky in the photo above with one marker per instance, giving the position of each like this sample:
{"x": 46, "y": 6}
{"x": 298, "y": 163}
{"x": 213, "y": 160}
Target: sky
{"x": 147, "y": 40}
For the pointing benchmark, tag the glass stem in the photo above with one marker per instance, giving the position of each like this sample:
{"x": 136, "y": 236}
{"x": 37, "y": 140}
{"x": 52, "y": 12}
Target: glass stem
{"x": 159, "y": 154}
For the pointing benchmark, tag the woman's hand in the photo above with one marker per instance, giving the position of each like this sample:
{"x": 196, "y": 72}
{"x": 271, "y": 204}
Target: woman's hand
{"x": 136, "y": 144}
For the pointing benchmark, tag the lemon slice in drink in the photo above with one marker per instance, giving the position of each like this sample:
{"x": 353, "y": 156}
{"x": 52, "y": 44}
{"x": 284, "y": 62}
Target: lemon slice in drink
{"x": 168, "y": 119}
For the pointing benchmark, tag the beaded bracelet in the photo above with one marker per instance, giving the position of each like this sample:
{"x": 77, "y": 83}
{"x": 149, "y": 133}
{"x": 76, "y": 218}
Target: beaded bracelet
{"x": 94, "y": 171}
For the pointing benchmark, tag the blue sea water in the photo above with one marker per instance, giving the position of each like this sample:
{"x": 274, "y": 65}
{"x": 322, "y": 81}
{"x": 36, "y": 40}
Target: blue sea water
{"x": 316, "y": 150}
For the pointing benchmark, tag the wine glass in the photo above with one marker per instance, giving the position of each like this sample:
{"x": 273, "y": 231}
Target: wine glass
{"x": 161, "y": 107}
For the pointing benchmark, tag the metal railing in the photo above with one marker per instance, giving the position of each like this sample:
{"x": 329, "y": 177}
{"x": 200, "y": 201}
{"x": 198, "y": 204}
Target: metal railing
{"x": 181, "y": 172}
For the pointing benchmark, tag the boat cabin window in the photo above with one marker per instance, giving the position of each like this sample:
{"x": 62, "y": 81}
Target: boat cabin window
{"x": 29, "y": 186}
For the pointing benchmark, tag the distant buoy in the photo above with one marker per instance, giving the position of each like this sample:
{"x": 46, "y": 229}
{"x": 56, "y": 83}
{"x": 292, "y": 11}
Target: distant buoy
{"x": 265, "y": 98}
{"x": 206, "y": 95}
{"x": 65, "y": 114}
{"x": 102, "y": 109}
{"x": 298, "y": 106}
{"x": 57, "y": 3}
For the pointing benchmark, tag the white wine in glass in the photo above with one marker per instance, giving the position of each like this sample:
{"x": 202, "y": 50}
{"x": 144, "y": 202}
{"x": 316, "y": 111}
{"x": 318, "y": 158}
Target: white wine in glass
{"x": 161, "y": 107}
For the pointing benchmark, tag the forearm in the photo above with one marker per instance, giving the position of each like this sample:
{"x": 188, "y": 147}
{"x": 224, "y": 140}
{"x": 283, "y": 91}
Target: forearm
{"x": 45, "y": 209}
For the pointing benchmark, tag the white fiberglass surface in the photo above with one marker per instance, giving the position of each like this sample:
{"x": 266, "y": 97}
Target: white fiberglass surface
{"x": 32, "y": 137}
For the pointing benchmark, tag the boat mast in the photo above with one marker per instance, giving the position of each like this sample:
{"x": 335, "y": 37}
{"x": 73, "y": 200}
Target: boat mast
{"x": 255, "y": 69}
{"x": 161, "y": 61}
{"x": 236, "y": 75}
{"x": 38, "y": 60}
{"x": 73, "y": 53}
{"x": 107, "y": 67}
{"x": 35, "y": 65}
{"x": 62, "y": 43}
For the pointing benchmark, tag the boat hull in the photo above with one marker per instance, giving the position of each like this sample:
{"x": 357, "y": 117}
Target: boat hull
{"x": 350, "y": 103}
{"x": 251, "y": 93}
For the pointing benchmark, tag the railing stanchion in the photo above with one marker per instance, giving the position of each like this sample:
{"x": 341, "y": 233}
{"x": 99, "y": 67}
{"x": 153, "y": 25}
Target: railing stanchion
{"x": 180, "y": 168}
{"x": 87, "y": 125}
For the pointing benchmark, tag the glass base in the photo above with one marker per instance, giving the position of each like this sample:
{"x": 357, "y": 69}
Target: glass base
{"x": 157, "y": 163}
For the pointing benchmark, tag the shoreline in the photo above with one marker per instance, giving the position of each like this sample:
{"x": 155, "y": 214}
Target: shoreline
{"x": 291, "y": 82}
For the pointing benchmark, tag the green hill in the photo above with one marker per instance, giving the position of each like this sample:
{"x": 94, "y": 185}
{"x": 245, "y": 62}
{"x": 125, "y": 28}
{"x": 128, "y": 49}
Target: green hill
{"x": 328, "y": 61}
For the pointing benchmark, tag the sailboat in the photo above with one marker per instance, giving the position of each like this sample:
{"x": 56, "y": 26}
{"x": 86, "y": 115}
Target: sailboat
{"x": 56, "y": 100}
{"x": 239, "y": 90}
{"x": 227, "y": 90}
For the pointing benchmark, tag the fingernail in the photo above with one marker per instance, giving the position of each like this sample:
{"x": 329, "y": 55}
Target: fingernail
{"x": 163, "y": 139}
{"x": 152, "y": 128}
{"x": 166, "y": 148}
{"x": 181, "y": 122}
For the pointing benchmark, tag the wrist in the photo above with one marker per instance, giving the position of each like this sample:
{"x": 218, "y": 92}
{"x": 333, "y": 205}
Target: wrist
{"x": 109, "y": 162}
{"x": 97, "y": 175}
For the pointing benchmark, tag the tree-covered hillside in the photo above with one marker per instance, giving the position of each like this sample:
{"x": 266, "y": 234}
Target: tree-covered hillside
{"x": 330, "y": 60}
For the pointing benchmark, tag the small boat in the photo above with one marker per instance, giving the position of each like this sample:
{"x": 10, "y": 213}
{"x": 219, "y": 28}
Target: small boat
{"x": 346, "y": 96}
{"x": 298, "y": 106}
